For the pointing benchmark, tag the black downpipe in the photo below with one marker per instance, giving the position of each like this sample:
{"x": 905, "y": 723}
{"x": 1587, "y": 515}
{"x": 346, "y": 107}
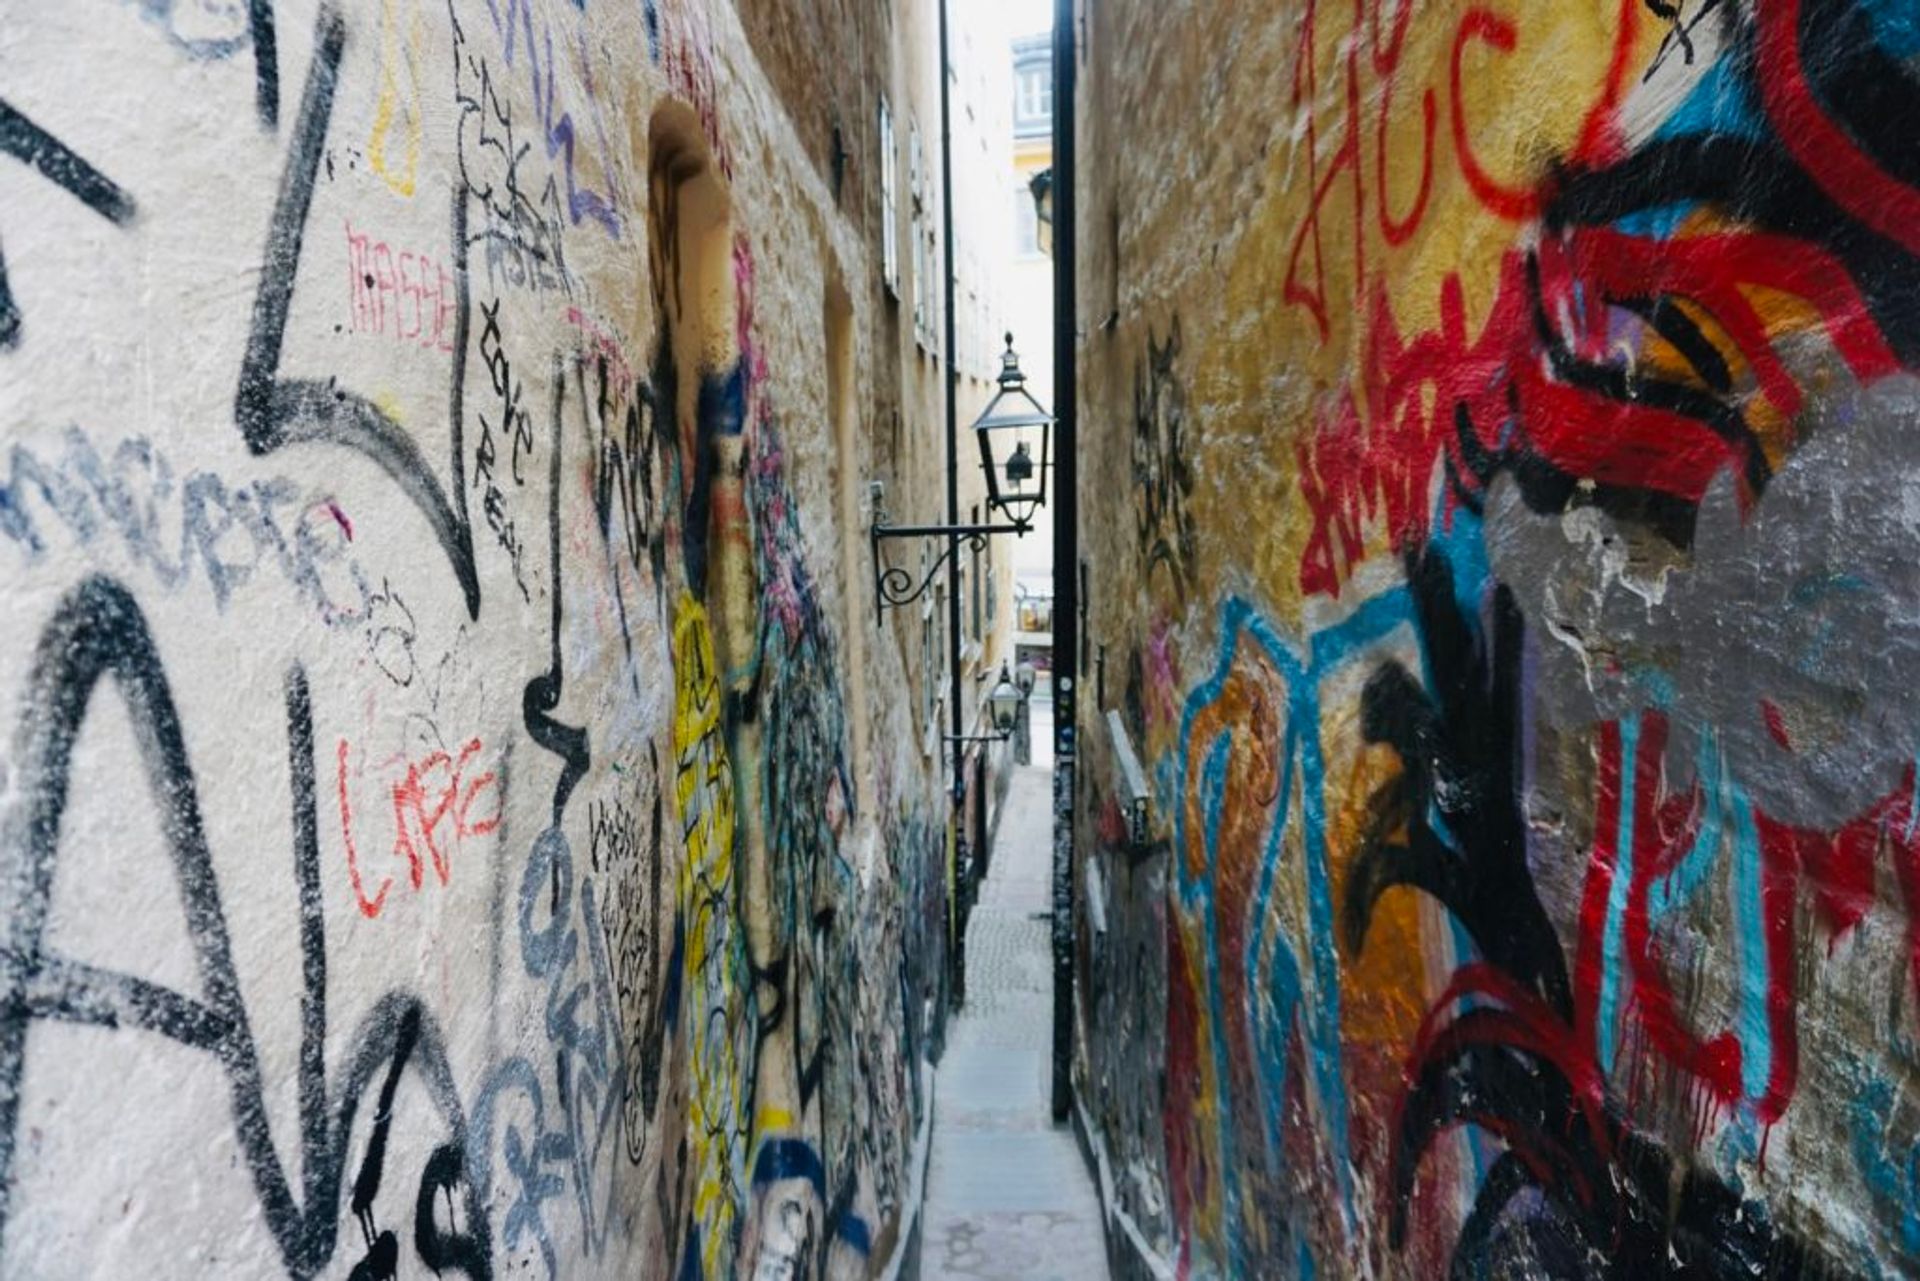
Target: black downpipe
{"x": 962, "y": 877}
{"x": 1066, "y": 551}
{"x": 953, "y": 410}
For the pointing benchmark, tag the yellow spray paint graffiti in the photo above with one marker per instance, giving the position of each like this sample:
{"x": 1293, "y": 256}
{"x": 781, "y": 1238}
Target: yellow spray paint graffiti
{"x": 720, "y": 1030}
{"x": 399, "y": 102}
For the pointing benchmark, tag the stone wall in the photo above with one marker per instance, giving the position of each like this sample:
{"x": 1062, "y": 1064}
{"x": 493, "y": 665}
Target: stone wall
{"x": 1499, "y": 474}
{"x": 436, "y": 833}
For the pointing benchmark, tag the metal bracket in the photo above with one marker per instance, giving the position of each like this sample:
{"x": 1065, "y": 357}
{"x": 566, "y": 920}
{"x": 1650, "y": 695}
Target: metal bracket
{"x": 894, "y": 586}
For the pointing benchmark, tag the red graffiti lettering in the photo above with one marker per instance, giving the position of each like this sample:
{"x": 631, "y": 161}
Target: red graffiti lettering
{"x": 437, "y": 802}
{"x": 407, "y": 297}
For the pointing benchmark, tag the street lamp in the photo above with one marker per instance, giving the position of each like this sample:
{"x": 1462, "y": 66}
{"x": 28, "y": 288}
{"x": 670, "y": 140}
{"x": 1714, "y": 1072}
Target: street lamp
{"x": 1014, "y": 434}
{"x": 1015, "y": 423}
{"x": 1041, "y": 187}
{"x": 1003, "y": 712}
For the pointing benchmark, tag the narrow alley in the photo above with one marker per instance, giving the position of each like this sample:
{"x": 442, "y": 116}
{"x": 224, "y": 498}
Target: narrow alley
{"x": 641, "y": 637}
{"x": 1008, "y": 1195}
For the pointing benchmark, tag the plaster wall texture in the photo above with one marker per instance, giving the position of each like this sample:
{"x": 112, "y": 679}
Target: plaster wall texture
{"x": 1499, "y": 500}
{"x": 448, "y": 821}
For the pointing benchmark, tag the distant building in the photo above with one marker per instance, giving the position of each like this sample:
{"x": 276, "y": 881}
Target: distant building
{"x": 1029, "y": 280}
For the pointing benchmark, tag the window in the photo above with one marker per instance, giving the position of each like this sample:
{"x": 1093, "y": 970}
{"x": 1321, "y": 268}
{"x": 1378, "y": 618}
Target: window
{"x": 1026, "y": 222}
{"x": 889, "y": 206}
{"x": 1035, "y": 94}
{"x": 922, "y": 237}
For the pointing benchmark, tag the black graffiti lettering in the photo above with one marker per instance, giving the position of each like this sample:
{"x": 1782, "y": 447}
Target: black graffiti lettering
{"x": 266, "y": 62}
{"x": 27, "y": 142}
{"x": 1162, "y": 475}
{"x": 273, "y": 412}
{"x": 524, "y": 242}
{"x": 9, "y": 312}
{"x": 98, "y": 633}
{"x": 446, "y": 1249}
{"x": 53, "y": 160}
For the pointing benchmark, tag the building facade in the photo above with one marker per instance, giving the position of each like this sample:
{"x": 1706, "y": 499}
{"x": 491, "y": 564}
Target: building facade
{"x": 460, "y": 813}
{"x": 1030, "y": 290}
{"x": 1496, "y": 437}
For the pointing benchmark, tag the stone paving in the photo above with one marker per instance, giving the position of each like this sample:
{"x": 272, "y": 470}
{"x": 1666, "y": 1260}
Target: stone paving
{"x": 1008, "y": 1195}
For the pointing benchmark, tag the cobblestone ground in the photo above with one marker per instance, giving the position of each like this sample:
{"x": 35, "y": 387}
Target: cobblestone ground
{"x": 1008, "y": 1195}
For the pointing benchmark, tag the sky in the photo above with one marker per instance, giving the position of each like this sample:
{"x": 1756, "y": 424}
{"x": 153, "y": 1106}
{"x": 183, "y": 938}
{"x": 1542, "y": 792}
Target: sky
{"x": 1021, "y": 17}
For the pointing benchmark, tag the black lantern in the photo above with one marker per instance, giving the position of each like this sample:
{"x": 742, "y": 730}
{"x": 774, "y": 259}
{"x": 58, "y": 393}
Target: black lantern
{"x": 1003, "y": 703}
{"x": 1013, "y": 432}
{"x": 1041, "y": 186}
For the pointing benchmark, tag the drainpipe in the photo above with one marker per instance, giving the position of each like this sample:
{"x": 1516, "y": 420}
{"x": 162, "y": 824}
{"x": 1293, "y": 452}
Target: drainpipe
{"x": 1066, "y": 551}
{"x": 965, "y": 859}
{"x": 953, "y": 415}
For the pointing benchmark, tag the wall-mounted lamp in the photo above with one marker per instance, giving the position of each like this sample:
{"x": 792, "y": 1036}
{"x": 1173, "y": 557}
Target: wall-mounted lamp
{"x": 1026, "y": 676}
{"x": 1003, "y": 712}
{"x": 1041, "y": 185}
{"x": 1014, "y": 424}
{"x": 1015, "y": 432}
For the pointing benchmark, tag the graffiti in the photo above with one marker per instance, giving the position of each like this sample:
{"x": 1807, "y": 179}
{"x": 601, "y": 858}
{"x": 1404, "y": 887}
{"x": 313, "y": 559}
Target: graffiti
{"x": 644, "y": 1011}
{"x": 1162, "y": 474}
{"x": 1362, "y": 96}
{"x": 513, "y": 425}
{"x": 274, "y": 412}
{"x": 1684, "y": 20}
{"x": 1499, "y": 1048}
{"x": 569, "y": 956}
{"x": 197, "y": 28}
{"x": 807, "y": 806}
{"x": 721, "y": 1035}
{"x": 682, "y": 48}
{"x": 227, "y": 533}
{"x": 1249, "y": 753}
{"x": 438, "y": 804}
{"x": 99, "y": 634}
{"x": 1887, "y": 1156}
{"x": 53, "y": 160}
{"x": 209, "y": 31}
{"x": 514, "y": 23}
{"x": 406, "y": 296}
{"x": 1543, "y": 393}
{"x": 399, "y": 97}
{"x": 522, "y": 234}
{"x": 1577, "y": 728}
{"x": 266, "y": 61}
{"x": 632, "y": 860}
{"x": 636, "y": 435}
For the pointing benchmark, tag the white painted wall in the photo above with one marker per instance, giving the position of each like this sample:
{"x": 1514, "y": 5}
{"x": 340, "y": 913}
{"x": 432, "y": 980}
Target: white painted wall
{"x": 389, "y": 879}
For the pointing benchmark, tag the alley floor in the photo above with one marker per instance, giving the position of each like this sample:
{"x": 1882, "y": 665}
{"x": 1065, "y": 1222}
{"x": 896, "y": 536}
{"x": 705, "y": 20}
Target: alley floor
{"x": 1008, "y": 1195}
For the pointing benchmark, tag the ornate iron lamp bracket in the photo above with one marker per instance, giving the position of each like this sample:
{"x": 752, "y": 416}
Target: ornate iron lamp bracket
{"x": 894, "y": 586}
